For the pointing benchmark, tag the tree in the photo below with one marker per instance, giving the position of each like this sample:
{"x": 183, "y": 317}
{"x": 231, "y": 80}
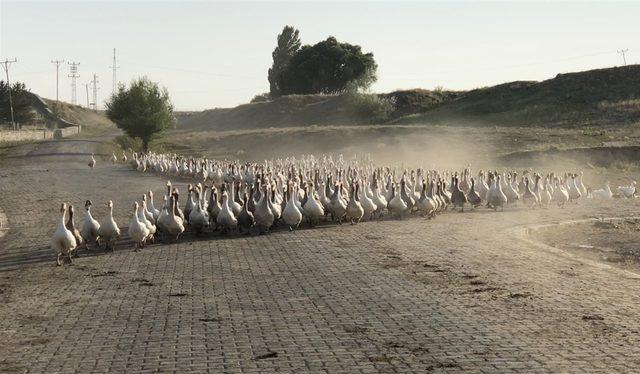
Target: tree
{"x": 328, "y": 67}
{"x": 21, "y": 98}
{"x": 142, "y": 111}
{"x": 288, "y": 45}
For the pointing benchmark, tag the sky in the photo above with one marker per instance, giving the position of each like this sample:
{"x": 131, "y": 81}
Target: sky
{"x": 216, "y": 54}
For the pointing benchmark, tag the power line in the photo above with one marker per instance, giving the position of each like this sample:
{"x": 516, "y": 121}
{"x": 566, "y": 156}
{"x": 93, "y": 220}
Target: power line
{"x": 73, "y": 68}
{"x": 95, "y": 91}
{"x": 6, "y": 63}
{"x": 57, "y": 62}
{"x": 624, "y": 57}
{"x": 114, "y": 67}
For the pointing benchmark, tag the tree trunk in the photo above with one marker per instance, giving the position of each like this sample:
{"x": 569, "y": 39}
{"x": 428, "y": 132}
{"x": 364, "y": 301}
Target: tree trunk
{"x": 145, "y": 145}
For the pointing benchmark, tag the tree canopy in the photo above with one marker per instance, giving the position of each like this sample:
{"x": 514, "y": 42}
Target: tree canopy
{"x": 21, "y": 98}
{"x": 327, "y": 67}
{"x": 288, "y": 45}
{"x": 143, "y": 110}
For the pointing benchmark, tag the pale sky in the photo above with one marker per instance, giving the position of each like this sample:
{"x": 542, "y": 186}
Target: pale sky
{"x": 216, "y": 54}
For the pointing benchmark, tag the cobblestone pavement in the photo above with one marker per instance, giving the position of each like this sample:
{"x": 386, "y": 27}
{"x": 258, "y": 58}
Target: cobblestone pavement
{"x": 463, "y": 292}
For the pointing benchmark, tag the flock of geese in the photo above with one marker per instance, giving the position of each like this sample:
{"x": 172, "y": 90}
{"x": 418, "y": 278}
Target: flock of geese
{"x": 235, "y": 197}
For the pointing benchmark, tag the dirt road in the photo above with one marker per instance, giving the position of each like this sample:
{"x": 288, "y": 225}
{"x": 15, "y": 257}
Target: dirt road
{"x": 461, "y": 292}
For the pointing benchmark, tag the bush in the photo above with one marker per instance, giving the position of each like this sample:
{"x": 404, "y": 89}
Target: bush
{"x": 370, "y": 106}
{"x": 261, "y": 98}
{"x": 143, "y": 110}
{"x": 128, "y": 143}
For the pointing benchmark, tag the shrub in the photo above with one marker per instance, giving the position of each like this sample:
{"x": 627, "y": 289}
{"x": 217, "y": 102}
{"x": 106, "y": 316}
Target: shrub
{"x": 128, "y": 143}
{"x": 261, "y": 98}
{"x": 370, "y": 106}
{"x": 143, "y": 110}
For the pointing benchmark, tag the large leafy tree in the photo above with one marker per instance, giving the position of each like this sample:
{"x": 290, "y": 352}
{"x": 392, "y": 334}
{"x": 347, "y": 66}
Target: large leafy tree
{"x": 328, "y": 67}
{"x": 21, "y": 98}
{"x": 288, "y": 45}
{"x": 143, "y": 110}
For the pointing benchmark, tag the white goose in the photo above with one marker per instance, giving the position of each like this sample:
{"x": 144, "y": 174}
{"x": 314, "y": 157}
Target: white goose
{"x": 337, "y": 206}
{"x": 71, "y": 226}
{"x": 92, "y": 161}
{"x": 574, "y": 191}
{"x": 580, "y": 185}
{"x": 496, "y": 198}
{"x": 109, "y": 231}
{"x": 546, "y": 196}
{"x": 138, "y": 231}
{"x": 90, "y": 227}
{"x": 198, "y": 218}
{"x": 380, "y": 201}
{"x": 142, "y": 216}
{"x": 628, "y": 191}
{"x": 560, "y": 195}
{"x": 603, "y": 193}
{"x": 263, "y": 215}
{"x": 313, "y": 209}
{"x": 170, "y": 222}
{"x": 147, "y": 212}
{"x": 151, "y": 208}
{"x": 291, "y": 215}
{"x": 63, "y": 242}
{"x": 396, "y": 205}
{"x": 354, "y": 210}
{"x": 367, "y": 203}
{"x": 226, "y": 219}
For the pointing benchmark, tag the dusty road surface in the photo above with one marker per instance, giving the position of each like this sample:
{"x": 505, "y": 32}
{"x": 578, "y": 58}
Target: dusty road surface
{"x": 466, "y": 291}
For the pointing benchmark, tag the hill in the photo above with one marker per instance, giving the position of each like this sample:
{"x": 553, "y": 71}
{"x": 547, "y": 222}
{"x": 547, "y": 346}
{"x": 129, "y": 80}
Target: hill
{"x": 90, "y": 120}
{"x": 309, "y": 110}
{"x": 591, "y": 98}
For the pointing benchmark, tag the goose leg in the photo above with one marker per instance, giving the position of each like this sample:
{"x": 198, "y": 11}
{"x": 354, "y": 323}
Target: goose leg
{"x": 58, "y": 261}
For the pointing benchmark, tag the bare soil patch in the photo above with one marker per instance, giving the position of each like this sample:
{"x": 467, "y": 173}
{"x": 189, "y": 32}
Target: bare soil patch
{"x": 616, "y": 242}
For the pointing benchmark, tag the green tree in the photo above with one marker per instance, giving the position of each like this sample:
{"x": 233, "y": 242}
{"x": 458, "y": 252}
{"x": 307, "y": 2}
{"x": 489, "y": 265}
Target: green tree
{"x": 143, "y": 110}
{"x": 288, "y": 45}
{"x": 328, "y": 67}
{"x": 21, "y": 98}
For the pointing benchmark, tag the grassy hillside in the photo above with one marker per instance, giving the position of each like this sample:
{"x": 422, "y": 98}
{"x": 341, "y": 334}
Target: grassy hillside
{"x": 308, "y": 110}
{"x": 590, "y": 98}
{"x": 92, "y": 122}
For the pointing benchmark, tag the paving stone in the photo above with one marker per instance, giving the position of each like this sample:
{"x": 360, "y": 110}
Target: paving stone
{"x": 390, "y": 296}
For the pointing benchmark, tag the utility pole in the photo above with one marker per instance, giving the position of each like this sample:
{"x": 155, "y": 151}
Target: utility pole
{"x": 95, "y": 92}
{"x": 114, "y": 67}
{"x": 86, "y": 87}
{"x": 6, "y": 63}
{"x": 57, "y": 62}
{"x": 73, "y": 66}
{"x": 624, "y": 57}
